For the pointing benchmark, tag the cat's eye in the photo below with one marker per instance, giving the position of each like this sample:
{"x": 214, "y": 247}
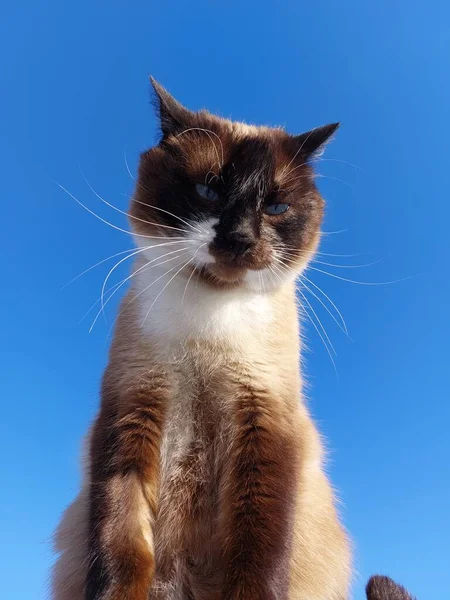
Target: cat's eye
{"x": 206, "y": 192}
{"x": 276, "y": 209}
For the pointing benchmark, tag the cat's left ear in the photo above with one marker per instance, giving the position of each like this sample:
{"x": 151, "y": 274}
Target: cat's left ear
{"x": 314, "y": 141}
{"x": 174, "y": 117}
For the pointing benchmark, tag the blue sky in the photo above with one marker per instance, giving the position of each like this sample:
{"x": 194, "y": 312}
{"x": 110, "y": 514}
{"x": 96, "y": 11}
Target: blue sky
{"x": 75, "y": 95}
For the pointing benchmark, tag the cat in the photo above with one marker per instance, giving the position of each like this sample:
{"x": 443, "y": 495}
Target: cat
{"x": 204, "y": 474}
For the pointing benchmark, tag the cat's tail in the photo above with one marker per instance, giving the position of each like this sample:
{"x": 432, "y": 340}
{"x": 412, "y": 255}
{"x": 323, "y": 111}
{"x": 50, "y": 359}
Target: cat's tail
{"x": 380, "y": 587}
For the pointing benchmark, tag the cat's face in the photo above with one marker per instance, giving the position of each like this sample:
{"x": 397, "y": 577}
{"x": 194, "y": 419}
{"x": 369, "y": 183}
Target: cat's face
{"x": 243, "y": 197}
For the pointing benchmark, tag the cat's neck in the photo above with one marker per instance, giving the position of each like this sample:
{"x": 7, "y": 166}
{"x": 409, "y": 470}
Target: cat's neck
{"x": 179, "y": 308}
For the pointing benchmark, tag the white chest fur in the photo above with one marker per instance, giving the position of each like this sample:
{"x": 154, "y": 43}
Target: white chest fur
{"x": 174, "y": 308}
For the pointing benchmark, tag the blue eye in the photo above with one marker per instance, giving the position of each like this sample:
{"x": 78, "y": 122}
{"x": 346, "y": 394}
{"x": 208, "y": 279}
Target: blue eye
{"x": 206, "y": 192}
{"x": 276, "y": 209}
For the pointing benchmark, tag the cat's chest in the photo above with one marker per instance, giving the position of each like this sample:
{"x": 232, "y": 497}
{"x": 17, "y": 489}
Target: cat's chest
{"x": 191, "y": 451}
{"x": 193, "y": 311}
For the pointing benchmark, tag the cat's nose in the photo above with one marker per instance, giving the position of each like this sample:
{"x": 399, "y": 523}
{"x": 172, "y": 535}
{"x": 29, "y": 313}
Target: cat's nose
{"x": 240, "y": 243}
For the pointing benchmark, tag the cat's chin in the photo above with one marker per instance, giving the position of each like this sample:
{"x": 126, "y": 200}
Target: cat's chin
{"x": 226, "y": 274}
{"x": 230, "y": 277}
{"x": 221, "y": 276}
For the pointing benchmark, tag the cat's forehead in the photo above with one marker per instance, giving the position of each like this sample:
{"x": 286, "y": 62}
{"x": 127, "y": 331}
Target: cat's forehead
{"x": 213, "y": 143}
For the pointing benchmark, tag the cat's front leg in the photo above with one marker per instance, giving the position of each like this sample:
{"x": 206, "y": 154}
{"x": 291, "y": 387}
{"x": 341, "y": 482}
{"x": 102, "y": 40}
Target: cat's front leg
{"x": 125, "y": 456}
{"x": 258, "y": 497}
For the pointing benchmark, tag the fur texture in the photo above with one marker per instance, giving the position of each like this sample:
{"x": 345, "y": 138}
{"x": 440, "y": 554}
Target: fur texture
{"x": 205, "y": 471}
{"x": 384, "y": 588}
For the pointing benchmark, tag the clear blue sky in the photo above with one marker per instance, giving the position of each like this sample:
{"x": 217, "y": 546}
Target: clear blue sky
{"x": 75, "y": 94}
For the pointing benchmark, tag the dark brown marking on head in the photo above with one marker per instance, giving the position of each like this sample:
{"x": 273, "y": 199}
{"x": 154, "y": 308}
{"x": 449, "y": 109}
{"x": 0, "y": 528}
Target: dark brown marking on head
{"x": 245, "y": 169}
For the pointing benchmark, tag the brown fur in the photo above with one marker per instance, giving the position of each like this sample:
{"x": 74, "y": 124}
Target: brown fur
{"x": 384, "y": 588}
{"x": 205, "y": 475}
{"x": 271, "y": 478}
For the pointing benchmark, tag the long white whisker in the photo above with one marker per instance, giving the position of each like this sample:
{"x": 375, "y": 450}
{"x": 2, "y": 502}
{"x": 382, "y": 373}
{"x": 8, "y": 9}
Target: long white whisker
{"x": 359, "y": 282}
{"x": 337, "y": 255}
{"x": 145, "y": 190}
{"x": 208, "y": 131}
{"x": 150, "y": 205}
{"x": 91, "y": 308}
{"x": 329, "y": 300}
{"x": 126, "y": 258}
{"x": 320, "y": 159}
{"x": 287, "y": 182}
{"x": 96, "y": 265}
{"x": 112, "y": 290}
{"x": 115, "y": 288}
{"x": 275, "y": 274}
{"x": 335, "y": 179}
{"x": 142, "y": 291}
{"x": 198, "y": 228}
{"x": 333, "y": 232}
{"x": 123, "y": 212}
{"x": 325, "y": 307}
{"x": 320, "y": 335}
{"x": 294, "y": 169}
{"x": 320, "y": 262}
{"x": 170, "y": 280}
{"x": 190, "y": 276}
{"x": 299, "y": 150}
{"x": 318, "y": 320}
{"x": 154, "y": 237}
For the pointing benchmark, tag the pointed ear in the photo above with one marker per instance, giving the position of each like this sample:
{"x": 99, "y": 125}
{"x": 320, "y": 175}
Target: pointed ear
{"x": 173, "y": 116}
{"x": 384, "y": 588}
{"x": 312, "y": 142}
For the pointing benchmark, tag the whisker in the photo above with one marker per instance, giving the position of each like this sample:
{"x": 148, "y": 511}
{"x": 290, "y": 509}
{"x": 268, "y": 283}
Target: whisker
{"x": 168, "y": 283}
{"x": 360, "y": 282}
{"x": 319, "y": 262}
{"x": 208, "y": 131}
{"x": 319, "y": 334}
{"x": 260, "y": 280}
{"x": 142, "y": 291}
{"x": 320, "y": 159}
{"x": 317, "y": 318}
{"x": 123, "y": 212}
{"x": 91, "y": 308}
{"x": 299, "y": 150}
{"x": 138, "y": 183}
{"x": 275, "y": 274}
{"x": 337, "y": 255}
{"x": 190, "y": 276}
{"x": 325, "y": 307}
{"x": 333, "y": 232}
{"x": 96, "y": 265}
{"x": 335, "y": 179}
{"x": 295, "y": 168}
{"x": 283, "y": 268}
{"x": 295, "y": 179}
{"x": 286, "y": 249}
{"x": 121, "y": 283}
{"x": 126, "y": 258}
{"x": 329, "y": 300}
{"x": 154, "y": 237}
{"x": 197, "y": 228}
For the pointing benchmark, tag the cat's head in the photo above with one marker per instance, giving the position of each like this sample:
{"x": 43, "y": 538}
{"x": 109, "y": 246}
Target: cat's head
{"x": 242, "y": 197}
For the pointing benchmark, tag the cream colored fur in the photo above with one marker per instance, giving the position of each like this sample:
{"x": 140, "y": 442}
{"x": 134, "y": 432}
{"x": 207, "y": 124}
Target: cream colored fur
{"x": 198, "y": 336}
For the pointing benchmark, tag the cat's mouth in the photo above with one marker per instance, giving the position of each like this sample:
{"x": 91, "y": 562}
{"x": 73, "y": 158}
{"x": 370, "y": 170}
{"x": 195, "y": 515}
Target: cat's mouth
{"x": 225, "y": 274}
{"x": 226, "y": 267}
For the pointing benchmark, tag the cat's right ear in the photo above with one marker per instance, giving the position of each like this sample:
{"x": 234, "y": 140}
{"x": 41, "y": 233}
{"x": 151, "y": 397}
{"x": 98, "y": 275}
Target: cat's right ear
{"x": 173, "y": 116}
{"x": 384, "y": 588}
